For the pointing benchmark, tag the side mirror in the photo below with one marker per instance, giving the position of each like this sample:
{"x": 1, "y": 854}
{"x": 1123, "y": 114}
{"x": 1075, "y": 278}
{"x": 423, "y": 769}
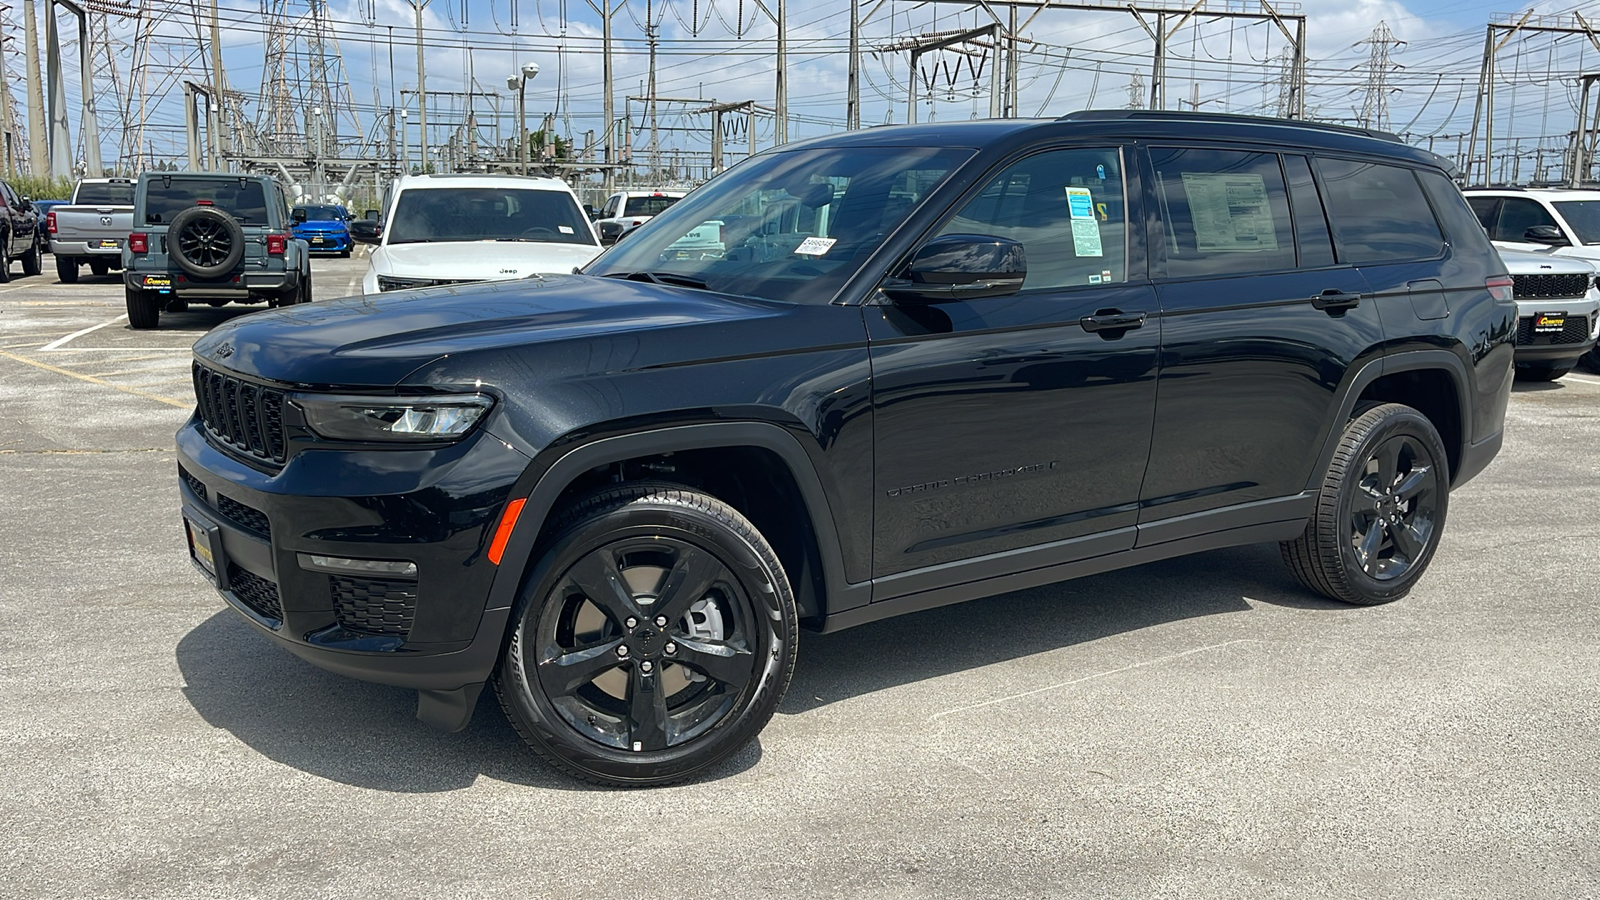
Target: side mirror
{"x": 297, "y": 216}
{"x": 961, "y": 267}
{"x": 623, "y": 234}
{"x": 370, "y": 214}
{"x": 1545, "y": 234}
{"x": 609, "y": 232}
{"x": 365, "y": 231}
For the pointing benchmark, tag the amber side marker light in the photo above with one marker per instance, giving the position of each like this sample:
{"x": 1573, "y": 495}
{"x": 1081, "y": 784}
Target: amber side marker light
{"x": 502, "y": 535}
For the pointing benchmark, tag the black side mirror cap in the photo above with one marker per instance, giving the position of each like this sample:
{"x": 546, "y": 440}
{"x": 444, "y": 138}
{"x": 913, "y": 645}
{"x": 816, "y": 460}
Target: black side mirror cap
{"x": 956, "y": 267}
{"x": 1545, "y": 234}
{"x": 365, "y": 231}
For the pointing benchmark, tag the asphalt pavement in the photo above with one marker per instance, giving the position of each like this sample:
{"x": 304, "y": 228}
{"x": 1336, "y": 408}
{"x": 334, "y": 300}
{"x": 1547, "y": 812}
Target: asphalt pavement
{"x": 1200, "y": 727}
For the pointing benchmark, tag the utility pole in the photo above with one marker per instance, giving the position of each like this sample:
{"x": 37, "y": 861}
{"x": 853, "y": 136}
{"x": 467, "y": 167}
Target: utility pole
{"x": 852, "y": 95}
{"x": 60, "y": 137}
{"x": 218, "y": 91}
{"x": 917, "y": 47}
{"x": 1483, "y": 109}
{"x": 89, "y": 125}
{"x": 422, "y": 83}
{"x": 654, "y": 156}
{"x": 38, "y": 144}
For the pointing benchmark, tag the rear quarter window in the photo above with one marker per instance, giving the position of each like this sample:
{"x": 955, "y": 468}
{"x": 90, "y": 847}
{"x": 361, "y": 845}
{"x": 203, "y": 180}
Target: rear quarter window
{"x": 1379, "y": 212}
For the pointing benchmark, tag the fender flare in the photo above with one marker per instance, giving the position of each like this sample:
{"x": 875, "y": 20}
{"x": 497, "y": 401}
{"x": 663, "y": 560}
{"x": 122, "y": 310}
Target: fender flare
{"x": 518, "y": 561}
{"x": 1404, "y": 361}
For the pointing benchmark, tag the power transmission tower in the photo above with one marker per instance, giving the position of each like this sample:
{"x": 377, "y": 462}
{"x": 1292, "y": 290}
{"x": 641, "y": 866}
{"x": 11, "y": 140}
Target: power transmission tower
{"x": 10, "y": 139}
{"x": 1136, "y": 91}
{"x": 1483, "y": 109}
{"x": 1375, "y": 104}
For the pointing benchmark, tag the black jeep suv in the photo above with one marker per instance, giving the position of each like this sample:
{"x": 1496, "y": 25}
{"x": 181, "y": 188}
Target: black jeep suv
{"x": 850, "y": 378}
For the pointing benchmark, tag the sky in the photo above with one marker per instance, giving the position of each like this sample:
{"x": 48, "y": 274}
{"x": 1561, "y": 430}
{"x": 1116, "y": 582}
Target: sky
{"x": 725, "y": 50}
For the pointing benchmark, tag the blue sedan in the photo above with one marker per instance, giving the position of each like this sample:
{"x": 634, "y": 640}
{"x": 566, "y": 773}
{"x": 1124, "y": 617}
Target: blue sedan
{"x": 325, "y": 228}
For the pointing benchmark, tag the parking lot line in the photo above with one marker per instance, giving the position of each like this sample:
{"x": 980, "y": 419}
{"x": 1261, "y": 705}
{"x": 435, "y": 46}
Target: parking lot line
{"x": 77, "y": 334}
{"x": 1582, "y": 380}
{"x": 181, "y": 404}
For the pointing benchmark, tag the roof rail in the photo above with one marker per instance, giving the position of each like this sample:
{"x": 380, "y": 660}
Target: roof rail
{"x": 1090, "y": 115}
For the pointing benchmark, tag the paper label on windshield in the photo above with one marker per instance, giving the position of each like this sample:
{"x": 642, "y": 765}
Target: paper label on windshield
{"x": 564, "y": 229}
{"x": 815, "y": 246}
{"x": 1230, "y": 213}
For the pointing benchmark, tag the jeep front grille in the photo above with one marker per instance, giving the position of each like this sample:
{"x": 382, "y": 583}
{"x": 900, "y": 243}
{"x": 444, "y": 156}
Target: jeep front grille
{"x": 246, "y": 417}
{"x": 1549, "y": 287}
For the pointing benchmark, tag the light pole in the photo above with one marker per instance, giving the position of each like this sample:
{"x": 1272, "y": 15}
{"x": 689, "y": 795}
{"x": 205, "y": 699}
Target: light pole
{"x": 520, "y": 83}
{"x": 316, "y": 153}
{"x": 405, "y": 148}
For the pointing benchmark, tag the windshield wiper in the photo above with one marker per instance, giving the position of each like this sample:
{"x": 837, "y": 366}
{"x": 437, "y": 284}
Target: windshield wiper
{"x": 664, "y": 278}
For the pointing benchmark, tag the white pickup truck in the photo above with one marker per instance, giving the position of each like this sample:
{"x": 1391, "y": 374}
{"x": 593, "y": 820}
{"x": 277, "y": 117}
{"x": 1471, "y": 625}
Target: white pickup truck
{"x": 92, "y": 228}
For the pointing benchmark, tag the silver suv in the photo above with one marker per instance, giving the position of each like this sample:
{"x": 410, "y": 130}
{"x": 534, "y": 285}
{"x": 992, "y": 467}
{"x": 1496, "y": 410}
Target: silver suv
{"x": 1558, "y": 312}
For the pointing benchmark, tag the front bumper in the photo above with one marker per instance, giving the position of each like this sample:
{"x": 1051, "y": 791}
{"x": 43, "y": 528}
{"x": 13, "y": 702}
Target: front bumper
{"x": 436, "y": 508}
{"x": 330, "y": 243}
{"x": 1556, "y": 333}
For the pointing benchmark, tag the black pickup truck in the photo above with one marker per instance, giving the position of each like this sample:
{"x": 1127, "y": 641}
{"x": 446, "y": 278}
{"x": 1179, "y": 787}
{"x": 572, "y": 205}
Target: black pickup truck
{"x": 854, "y": 377}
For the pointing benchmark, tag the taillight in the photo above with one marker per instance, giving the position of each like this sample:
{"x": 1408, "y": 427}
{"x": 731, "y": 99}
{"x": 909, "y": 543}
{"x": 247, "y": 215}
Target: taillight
{"x": 1501, "y": 287}
{"x": 50, "y": 221}
{"x": 638, "y": 222}
{"x": 276, "y": 243}
{"x": 139, "y": 242}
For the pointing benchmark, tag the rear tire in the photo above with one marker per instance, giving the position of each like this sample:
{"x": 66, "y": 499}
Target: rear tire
{"x": 1380, "y": 512}
{"x": 144, "y": 308}
{"x": 603, "y": 690}
{"x": 32, "y": 263}
{"x": 67, "y": 269}
{"x": 305, "y": 288}
{"x": 1591, "y": 360}
{"x": 1541, "y": 373}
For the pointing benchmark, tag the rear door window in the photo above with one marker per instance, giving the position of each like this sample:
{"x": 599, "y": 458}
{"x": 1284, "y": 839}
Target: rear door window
{"x": 1379, "y": 212}
{"x": 1485, "y": 208}
{"x": 1224, "y": 212}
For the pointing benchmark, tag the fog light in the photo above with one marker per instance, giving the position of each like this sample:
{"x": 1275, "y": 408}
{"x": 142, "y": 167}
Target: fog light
{"x": 398, "y": 568}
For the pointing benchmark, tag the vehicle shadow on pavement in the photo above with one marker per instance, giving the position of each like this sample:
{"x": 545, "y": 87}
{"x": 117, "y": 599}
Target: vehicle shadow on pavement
{"x": 979, "y": 633}
{"x": 356, "y": 733}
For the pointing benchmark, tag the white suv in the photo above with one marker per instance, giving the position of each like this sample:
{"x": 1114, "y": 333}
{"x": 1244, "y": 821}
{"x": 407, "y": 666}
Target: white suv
{"x": 1563, "y": 221}
{"x": 449, "y": 229}
{"x": 632, "y": 208}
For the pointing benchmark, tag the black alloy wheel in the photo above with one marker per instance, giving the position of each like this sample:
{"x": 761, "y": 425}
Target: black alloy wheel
{"x": 654, "y": 639}
{"x": 206, "y": 242}
{"x": 1381, "y": 510}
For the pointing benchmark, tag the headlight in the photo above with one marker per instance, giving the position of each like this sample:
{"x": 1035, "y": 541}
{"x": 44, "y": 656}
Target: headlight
{"x": 445, "y": 417}
{"x": 391, "y": 283}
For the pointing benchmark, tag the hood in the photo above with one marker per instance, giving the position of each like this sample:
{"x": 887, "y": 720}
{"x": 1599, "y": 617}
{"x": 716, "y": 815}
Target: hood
{"x": 1524, "y": 262}
{"x": 376, "y": 341}
{"x": 480, "y": 260}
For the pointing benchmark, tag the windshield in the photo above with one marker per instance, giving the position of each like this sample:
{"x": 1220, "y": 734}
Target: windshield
{"x": 321, "y": 213}
{"x": 106, "y": 194}
{"x": 648, "y": 206}
{"x": 425, "y": 215}
{"x": 243, "y": 199}
{"x": 1583, "y": 216}
{"x": 786, "y": 225}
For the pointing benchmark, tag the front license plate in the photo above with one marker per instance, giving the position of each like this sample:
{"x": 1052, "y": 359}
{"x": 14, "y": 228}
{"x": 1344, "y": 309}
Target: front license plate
{"x": 110, "y": 245}
{"x": 158, "y": 281}
{"x": 1549, "y": 323}
{"x": 200, "y": 547}
{"x": 316, "y": 240}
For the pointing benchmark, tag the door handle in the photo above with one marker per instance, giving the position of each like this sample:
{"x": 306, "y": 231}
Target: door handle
{"x": 1111, "y": 323}
{"x": 1335, "y": 301}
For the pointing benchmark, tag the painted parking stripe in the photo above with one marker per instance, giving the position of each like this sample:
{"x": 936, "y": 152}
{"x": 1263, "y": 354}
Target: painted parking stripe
{"x": 56, "y": 344}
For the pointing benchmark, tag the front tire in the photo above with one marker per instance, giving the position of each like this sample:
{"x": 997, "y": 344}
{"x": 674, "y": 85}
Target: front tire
{"x": 144, "y": 308}
{"x": 32, "y": 261}
{"x": 653, "y": 640}
{"x": 67, "y": 269}
{"x": 5, "y": 258}
{"x": 1380, "y": 512}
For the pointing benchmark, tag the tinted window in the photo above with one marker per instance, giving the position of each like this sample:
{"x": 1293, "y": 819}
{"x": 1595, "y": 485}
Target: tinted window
{"x": 1461, "y": 225}
{"x": 1065, "y": 207}
{"x": 1310, "y": 219}
{"x": 427, "y": 215}
{"x": 648, "y": 206}
{"x": 1379, "y": 212}
{"x": 1484, "y": 208}
{"x": 1584, "y": 217}
{"x": 243, "y": 199}
{"x": 1517, "y": 215}
{"x": 114, "y": 194}
{"x": 1225, "y": 212}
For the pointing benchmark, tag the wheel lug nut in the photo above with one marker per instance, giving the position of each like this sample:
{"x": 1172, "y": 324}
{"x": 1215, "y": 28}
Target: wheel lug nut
{"x": 670, "y": 647}
{"x": 632, "y": 622}
{"x": 661, "y": 621}
{"x": 646, "y": 666}
{"x": 622, "y": 651}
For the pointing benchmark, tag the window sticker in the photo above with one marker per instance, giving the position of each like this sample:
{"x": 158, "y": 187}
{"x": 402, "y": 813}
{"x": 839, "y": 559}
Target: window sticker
{"x": 1080, "y": 203}
{"x": 1085, "y": 230}
{"x": 1230, "y": 213}
{"x": 564, "y": 229}
{"x": 815, "y": 246}
{"x": 1095, "y": 279}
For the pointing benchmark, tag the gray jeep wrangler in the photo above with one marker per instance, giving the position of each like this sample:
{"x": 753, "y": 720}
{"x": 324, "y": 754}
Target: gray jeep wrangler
{"x": 213, "y": 237}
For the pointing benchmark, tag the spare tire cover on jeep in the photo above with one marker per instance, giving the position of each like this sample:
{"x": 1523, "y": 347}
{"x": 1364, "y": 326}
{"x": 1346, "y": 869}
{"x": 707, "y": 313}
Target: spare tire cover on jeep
{"x": 205, "y": 242}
